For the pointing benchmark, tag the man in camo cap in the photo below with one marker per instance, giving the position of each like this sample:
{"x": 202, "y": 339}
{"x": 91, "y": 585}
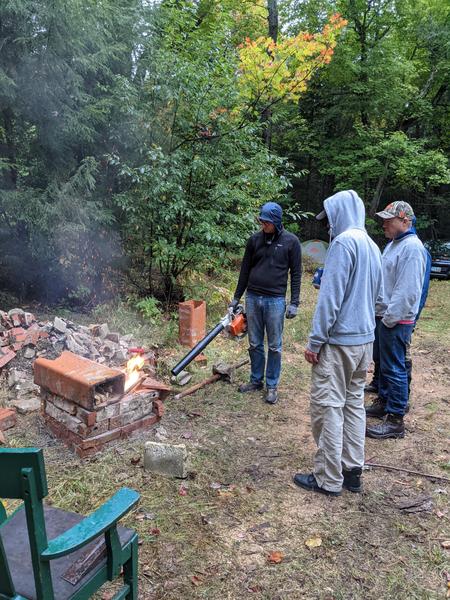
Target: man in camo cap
{"x": 404, "y": 264}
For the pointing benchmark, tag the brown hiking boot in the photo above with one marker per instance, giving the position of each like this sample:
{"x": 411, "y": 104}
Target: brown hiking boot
{"x": 391, "y": 427}
{"x": 376, "y": 409}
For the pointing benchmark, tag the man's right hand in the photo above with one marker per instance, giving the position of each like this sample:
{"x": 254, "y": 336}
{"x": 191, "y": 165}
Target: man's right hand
{"x": 311, "y": 357}
{"x": 233, "y": 304}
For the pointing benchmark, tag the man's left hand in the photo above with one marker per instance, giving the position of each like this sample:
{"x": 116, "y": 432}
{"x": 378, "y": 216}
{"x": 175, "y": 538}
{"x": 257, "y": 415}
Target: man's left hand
{"x": 291, "y": 311}
{"x": 311, "y": 357}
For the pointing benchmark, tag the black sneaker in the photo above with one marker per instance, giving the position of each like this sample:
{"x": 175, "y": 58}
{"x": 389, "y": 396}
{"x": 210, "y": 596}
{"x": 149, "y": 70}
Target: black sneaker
{"x": 376, "y": 409}
{"x": 307, "y": 481}
{"x": 352, "y": 480}
{"x": 391, "y": 427}
{"x": 371, "y": 388}
{"x": 271, "y": 396}
{"x": 250, "y": 387}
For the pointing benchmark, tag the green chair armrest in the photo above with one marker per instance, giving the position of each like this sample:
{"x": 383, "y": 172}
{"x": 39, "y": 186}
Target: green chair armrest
{"x": 93, "y": 525}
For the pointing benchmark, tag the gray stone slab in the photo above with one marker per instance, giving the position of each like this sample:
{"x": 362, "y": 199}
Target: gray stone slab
{"x": 26, "y": 405}
{"x": 59, "y": 325}
{"x": 166, "y": 459}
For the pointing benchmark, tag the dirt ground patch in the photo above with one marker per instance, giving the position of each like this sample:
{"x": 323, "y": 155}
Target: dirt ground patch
{"x": 241, "y": 505}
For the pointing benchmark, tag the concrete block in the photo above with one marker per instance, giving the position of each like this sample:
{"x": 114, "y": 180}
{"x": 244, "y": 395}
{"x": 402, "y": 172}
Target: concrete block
{"x": 59, "y": 325}
{"x": 182, "y": 378}
{"x": 15, "y": 376}
{"x": 113, "y": 337}
{"x": 74, "y": 347}
{"x": 26, "y": 405}
{"x": 103, "y": 330}
{"x": 29, "y": 352}
{"x": 166, "y": 459}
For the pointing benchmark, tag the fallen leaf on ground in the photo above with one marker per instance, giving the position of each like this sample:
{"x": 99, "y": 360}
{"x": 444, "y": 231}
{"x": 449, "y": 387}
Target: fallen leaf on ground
{"x": 313, "y": 542}
{"x": 275, "y": 557}
{"x": 446, "y": 544}
{"x": 196, "y": 580}
{"x": 182, "y": 491}
{"x": 155, "y": 531}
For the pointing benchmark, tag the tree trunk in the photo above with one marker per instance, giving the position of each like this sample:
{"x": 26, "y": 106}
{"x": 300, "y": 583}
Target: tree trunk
{"x": 7, "y": 150}
{"x": 272, "y": 19}
{"x": 379, "y": 190}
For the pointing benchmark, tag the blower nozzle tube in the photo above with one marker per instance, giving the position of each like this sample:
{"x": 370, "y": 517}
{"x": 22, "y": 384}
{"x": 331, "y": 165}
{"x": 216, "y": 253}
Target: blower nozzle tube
{"x": 198, "y": 348}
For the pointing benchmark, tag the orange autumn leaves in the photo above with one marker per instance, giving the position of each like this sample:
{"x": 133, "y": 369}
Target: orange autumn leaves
{"x": 271, "y": 71}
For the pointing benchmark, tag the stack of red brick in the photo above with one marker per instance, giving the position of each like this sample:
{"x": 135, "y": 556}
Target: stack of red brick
{"x": 18, "y": 329}
{"x": 84, "y": 403}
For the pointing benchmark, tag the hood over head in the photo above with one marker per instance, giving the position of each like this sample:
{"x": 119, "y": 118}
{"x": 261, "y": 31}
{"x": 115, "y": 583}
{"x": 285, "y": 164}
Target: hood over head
{"x": 344, "y": 210}
{"x": 272, "y": 213}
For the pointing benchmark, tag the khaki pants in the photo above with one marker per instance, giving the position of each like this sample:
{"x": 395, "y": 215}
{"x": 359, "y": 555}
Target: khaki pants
{"x": 338, "y": 417}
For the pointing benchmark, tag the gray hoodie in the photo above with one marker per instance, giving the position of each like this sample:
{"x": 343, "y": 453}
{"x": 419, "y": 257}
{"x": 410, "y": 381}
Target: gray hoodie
{"x": 352, "y": 278}
{"x": 404, "y": 263}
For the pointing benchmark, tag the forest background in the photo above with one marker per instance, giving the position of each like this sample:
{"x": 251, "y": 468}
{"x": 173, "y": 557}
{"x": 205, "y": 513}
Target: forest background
{"x": 138, "y": 138}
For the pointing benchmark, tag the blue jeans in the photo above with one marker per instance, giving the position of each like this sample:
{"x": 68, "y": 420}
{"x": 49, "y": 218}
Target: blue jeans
{"x": 393, "y": 372}
{"x": 376, "y": 359}
{"x": 265, "y": 314}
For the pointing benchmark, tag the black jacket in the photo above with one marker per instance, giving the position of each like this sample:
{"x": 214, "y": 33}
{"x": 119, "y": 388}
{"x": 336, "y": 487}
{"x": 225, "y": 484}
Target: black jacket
{"x": 266, "y": 264}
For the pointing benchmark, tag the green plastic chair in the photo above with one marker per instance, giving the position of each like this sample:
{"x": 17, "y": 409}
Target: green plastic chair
{"x": 51, "y": 554}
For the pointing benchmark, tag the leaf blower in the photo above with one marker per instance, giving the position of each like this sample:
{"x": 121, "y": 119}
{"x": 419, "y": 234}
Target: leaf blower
{"x": 233, "y": 323}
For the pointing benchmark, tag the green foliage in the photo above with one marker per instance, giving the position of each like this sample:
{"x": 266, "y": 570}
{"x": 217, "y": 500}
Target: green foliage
{"x": 123, "y": 131}
{"x": 192, "y": 193}
{"x": 374, "y": 119}
{"x": 406, "y": 163}
{"x": 58, "y": 69}
{"x": 150, "y": 309}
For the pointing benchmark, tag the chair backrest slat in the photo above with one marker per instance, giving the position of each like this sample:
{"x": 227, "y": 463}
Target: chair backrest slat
{"x": 12, "y": 461}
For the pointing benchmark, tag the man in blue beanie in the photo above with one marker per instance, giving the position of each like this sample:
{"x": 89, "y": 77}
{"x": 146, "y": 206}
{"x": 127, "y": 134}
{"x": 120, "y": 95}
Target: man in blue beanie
{"x": 270, "y": 255}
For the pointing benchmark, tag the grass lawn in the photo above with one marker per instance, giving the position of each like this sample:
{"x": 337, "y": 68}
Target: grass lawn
{"x": 241, "y": 506}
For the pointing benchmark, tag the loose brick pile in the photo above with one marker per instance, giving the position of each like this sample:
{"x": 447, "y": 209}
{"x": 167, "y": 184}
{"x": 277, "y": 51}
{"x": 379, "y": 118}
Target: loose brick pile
{"x": 23, "y": 338}
{"x": 18, "y": 329}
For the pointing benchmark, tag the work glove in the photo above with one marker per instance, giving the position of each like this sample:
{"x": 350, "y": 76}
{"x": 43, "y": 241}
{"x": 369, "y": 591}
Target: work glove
{"x": 233, "y": 304}
{"x": 291, "y": 311}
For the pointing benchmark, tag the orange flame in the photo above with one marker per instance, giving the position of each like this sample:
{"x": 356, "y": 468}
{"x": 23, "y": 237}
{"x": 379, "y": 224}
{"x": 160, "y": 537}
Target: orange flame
{"x": 134, "y": 365}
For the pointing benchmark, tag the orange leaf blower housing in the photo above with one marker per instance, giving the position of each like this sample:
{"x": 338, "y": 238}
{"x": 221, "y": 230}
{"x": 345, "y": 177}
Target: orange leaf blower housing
{"x": 238, "y": 325}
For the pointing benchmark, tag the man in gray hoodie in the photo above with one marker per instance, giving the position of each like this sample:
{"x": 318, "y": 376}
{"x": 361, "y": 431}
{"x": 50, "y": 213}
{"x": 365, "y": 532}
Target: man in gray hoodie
{"x": 404, "y": 265}
{"x": 340, "y": 347}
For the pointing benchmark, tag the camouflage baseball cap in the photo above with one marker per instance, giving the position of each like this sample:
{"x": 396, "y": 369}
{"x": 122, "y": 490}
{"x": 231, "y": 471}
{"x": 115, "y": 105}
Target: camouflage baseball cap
{"x": 397, "y": 209}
